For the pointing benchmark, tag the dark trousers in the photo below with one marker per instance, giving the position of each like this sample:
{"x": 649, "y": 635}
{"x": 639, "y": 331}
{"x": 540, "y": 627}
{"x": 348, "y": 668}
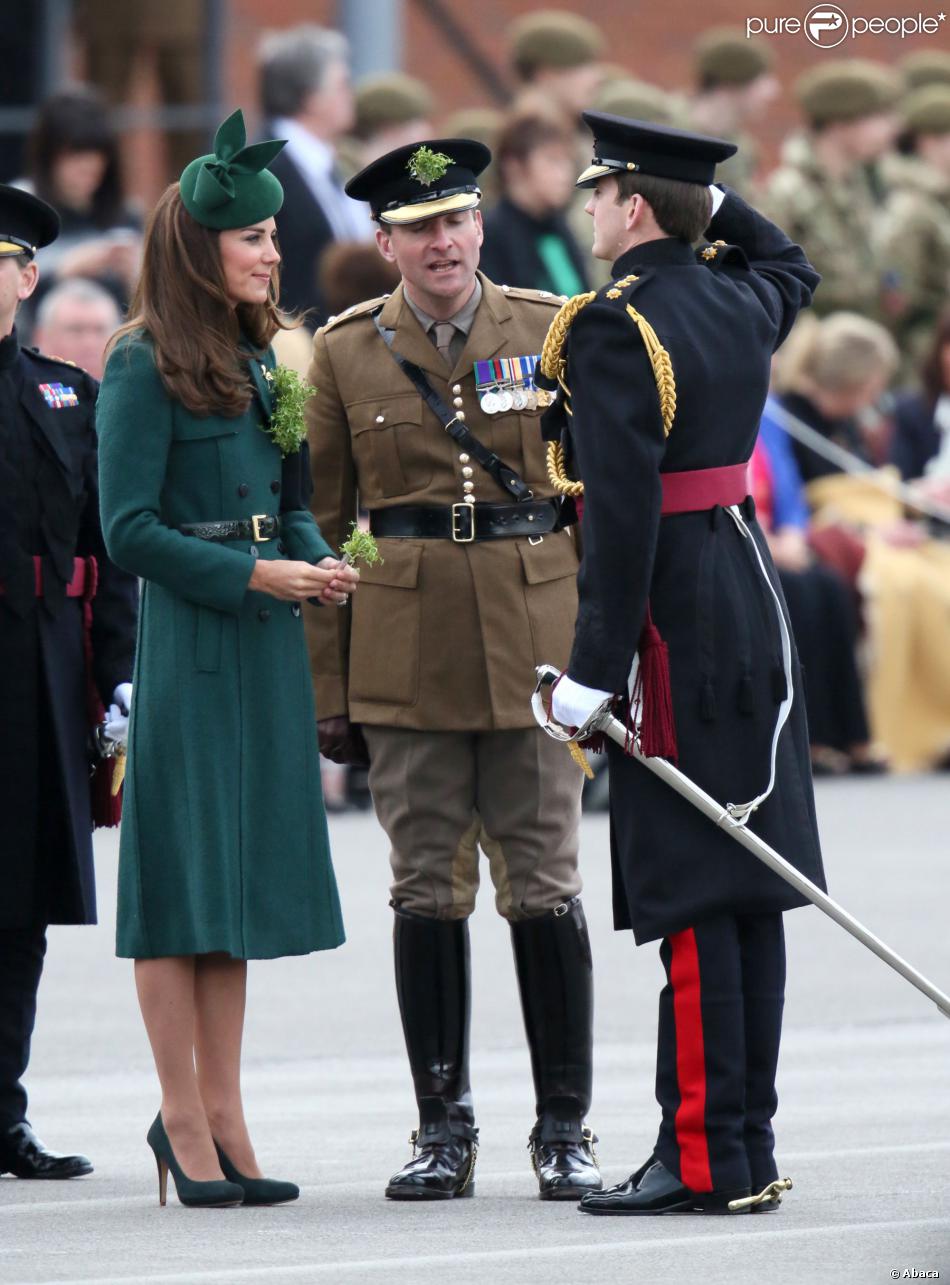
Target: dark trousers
{"x": 21, "y": 966}
{"x": 717, "y": 1051}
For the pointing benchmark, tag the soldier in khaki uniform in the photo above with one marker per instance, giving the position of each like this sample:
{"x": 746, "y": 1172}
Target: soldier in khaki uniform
{"x": 435, "y": 661}
{"x": 820, "y": 194}
{"x": 914, "y": 235}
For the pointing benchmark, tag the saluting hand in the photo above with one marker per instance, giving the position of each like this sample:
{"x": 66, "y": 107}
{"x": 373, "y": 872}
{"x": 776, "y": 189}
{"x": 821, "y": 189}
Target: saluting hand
{"x": 331, "y": 581}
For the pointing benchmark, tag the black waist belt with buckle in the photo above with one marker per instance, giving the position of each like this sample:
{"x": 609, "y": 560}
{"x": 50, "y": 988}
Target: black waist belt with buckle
{"x": 465, "y": 523}
{"x": 257, "y": 528}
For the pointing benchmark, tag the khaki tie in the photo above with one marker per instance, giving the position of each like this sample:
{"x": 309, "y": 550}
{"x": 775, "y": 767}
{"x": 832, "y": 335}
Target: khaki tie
{"x": 444, "y": 334}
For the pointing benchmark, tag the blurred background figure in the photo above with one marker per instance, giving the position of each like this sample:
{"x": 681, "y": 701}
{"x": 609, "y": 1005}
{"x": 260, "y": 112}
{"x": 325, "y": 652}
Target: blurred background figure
{"x": 735, "y": 90}
{"x": 75, "y": 322}
{"x": 165, "y": 35}
{"x": 830, "y": 374}
{"x": 391, "y": 109}
{"x": 639, "y": 100}
{"x": 925, "y": 67}
{"x": 556, "y": 57}
{"x": 821, "y": 196}
{"x": 483, "y": 124}
{"x": 74, "y": 165}
{"x": 920, "y": 447}
{"x": 306, "y": 97}
{"x": 527, "y": 238}
{"x": 914, "y": 235}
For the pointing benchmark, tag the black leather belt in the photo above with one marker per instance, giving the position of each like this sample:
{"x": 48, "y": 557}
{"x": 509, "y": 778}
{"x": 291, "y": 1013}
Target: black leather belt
{"x": 465, "y": 523}
{"x": 258, "y": 528}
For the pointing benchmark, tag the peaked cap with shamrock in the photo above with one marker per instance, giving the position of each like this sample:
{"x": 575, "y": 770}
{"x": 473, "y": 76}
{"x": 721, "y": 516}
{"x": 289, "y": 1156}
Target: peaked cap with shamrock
{"x": 232, "y": 187}
{"x": 422, "y": 180}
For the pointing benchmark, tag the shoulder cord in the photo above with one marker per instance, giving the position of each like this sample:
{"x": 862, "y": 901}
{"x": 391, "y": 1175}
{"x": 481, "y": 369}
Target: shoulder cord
{"x": 554, "y": 366}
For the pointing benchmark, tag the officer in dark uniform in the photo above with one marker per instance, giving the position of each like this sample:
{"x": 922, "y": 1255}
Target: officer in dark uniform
{"x": 666, "y": 372}
{"x": 54, "y": 579}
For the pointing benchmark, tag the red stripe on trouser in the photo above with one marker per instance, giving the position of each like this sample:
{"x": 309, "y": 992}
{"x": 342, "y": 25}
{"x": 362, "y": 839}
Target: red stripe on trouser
{"x": 690, "y": 1062}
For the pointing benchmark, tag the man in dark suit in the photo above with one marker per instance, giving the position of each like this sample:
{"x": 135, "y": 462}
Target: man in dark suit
{"x": 58, "y": 594}
{"x": 307, "y": 99}
{"x": 668, "y": 370}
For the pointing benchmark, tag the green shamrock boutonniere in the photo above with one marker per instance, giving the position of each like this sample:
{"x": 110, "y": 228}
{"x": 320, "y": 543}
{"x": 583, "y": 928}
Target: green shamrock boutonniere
{"x": 360, "y": 546}
{"x": 426, "y": 166}
{"x": 290, "y": 395}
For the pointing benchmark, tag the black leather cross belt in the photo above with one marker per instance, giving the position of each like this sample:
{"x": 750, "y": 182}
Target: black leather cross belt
{"x": 258, "y": 528}
{"x": 465, "y": 523}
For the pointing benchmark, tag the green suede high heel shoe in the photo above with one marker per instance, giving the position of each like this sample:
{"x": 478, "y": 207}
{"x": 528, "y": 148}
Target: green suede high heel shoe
{"x": 258, "y": 1191}
{"x": 216, "y": 1194}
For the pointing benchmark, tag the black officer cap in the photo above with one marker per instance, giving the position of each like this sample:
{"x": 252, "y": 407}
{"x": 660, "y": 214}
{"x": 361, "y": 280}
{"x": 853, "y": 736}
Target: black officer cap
{"x": 26, "y": 222}
{"x": 422, "y": 180}
{"x": 635, "y": 146}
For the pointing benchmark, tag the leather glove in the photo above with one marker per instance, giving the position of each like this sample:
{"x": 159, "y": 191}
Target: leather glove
{"x": 572, "y": 704}
{"x": 117, "y": 719}
{"x": 342, "y": 741}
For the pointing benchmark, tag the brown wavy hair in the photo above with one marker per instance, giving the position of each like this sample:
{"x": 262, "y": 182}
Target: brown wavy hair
{"x": 180, "y": 300}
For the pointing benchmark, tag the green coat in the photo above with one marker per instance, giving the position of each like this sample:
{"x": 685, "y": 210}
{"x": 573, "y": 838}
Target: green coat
{"x": 224, "y": 840}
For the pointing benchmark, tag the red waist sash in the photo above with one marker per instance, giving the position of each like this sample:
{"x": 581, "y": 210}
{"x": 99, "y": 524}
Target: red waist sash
{"x": 695, "y": 490}
{"x": 82, "y": 585}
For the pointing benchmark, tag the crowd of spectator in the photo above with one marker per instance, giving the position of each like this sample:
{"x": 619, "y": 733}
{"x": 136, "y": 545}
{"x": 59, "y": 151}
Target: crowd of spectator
{"x": 863, "y": 185}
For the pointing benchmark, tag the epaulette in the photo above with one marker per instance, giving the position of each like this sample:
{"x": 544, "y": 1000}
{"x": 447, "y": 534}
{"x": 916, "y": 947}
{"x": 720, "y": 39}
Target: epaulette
{"x": 534, "y": 296}
{"x": 720, "y": 254}
{"x": 357, "y": 310}
{"x": 53, "y": 359}
{"x": 615, "y": 289}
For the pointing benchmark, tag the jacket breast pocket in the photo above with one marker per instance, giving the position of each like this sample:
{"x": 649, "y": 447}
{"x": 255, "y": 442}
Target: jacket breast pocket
{"x": 392, "y": 451}
{"x": 550, "y": 592}
{"x": 385, "y": 638}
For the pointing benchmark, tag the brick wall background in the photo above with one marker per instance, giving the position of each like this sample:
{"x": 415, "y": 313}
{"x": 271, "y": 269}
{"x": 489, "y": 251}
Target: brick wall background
{"x": 652, "y": 38}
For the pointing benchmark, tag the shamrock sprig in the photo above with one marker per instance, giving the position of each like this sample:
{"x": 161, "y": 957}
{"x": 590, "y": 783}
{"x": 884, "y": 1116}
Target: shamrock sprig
{"x": 290, "y": 395}
{"x": 426, "y": 166}
{"x": 360, "y": 546}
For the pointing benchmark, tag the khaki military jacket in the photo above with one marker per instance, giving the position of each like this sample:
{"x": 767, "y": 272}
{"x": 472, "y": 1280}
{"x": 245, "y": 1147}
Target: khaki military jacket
{"x": 834, "y": 222}
{"x": 440, "y": 636}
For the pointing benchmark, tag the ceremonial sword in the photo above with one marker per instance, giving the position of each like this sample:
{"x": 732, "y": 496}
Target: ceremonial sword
{"x": 603, "y": 721}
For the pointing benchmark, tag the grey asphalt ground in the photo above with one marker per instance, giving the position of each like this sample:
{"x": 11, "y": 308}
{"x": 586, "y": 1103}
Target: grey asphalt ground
{"x": 863, "y": 1124}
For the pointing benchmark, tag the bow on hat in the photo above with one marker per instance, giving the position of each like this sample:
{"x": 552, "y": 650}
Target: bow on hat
{"x": 214, "y": 185}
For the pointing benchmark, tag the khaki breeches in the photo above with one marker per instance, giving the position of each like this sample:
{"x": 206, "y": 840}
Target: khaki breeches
{"x": 442, "y": 796}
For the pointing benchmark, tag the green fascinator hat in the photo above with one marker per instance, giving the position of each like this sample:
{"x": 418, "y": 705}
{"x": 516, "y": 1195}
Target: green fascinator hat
{"x": 233, "y": 188}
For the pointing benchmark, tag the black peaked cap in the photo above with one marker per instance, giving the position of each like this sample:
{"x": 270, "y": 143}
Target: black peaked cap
{"x": 26, "y": 222}
{"x": 640, "y": 147}
{"x": 395, "y": 196}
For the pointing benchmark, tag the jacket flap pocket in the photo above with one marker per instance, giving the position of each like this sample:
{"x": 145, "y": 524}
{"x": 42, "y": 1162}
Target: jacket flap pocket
{"x": 399, "y": 568}
{"x": 554, "y": 558}
{"x": 187, "y": 429}
{"x": 385, "y": 411}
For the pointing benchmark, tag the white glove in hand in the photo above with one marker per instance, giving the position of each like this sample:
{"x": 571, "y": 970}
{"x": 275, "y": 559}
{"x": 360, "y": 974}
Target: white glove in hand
{"x": 573, "y": 704}
{"x": 718, "y": 196}
{"x": 117, "y": 719}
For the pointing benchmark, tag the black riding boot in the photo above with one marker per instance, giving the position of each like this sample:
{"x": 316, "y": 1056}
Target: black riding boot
{"x": 552, "y": 954}
{"x": 432, "y": 982}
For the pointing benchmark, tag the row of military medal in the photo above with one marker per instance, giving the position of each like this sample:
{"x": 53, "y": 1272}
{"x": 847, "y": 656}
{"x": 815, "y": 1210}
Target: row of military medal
{"x": 507, "y": 383}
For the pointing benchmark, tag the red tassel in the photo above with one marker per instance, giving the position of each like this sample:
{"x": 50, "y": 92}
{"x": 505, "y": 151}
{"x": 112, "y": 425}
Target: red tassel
{"x": 106, "y": 807}
{"x": 652, "y": 693}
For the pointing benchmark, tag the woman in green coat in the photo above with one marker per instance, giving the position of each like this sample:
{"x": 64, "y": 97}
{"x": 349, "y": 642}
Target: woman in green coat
{"x": 224, "y": 854}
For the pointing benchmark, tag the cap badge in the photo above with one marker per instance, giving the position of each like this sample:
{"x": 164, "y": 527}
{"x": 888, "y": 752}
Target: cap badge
{"x": 427, "y": 167}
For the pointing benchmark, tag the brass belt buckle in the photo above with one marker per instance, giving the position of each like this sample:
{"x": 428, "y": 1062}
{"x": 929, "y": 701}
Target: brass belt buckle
{"x": 256, "y": 520}
{"x": 468, "y": 509}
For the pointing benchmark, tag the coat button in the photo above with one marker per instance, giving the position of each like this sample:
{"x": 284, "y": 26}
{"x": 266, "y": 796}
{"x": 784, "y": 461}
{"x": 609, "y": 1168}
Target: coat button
{"x": 243, "y": 490}
{"x": 275, "y": 487}
{"x": 295, "y": 609}
{"x": 264, "y": 614}
{"x": 456, "y": 390}
{"x": 254, "y": 551}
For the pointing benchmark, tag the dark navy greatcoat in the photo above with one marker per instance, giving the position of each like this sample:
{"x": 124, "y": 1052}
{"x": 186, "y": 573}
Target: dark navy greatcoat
{"x": 49, "y": 505}
{"x": 720, "y": 314}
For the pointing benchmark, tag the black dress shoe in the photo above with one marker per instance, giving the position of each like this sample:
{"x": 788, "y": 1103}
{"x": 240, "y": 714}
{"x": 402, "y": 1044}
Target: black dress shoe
{"x": 562, "y": 1152}
{"x": 25, "y": 1156}
{"x": 654, "y": 1190}
{"x": 441, "y": 1167}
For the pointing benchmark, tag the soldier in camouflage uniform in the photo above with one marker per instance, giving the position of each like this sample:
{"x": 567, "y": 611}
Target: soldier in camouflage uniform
{"x": 821, "y": 196}
{"x": 914, "y": 236}
{"x": 735, "y": 86}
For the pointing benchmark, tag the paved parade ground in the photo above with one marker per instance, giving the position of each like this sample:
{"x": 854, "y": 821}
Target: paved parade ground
{"x": 863, "y": 1124}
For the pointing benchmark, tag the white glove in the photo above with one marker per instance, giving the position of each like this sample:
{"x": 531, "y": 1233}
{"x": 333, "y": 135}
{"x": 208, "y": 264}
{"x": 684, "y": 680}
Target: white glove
{"x": 572, "y": 704}
{"x": 718, "y": 196}
{"x": 117, "y": 719}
